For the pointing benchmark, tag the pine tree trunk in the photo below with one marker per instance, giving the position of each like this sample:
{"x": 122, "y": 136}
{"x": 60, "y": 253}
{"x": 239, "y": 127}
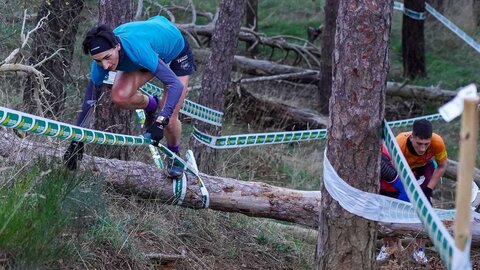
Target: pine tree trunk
{"x": 108, "y": 116}
{"x": 328, "y": 43}
{"x": 216, "y": 76}
{"x": 413, "y": 42}
{"x": 58, "y": 32}
{"x": 357, "y": 105}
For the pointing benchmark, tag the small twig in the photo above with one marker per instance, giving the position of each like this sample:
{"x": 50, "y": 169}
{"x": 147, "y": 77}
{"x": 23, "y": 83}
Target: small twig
{"x": 39, "y": 25}
{"x": 169, "y": 13}
{"x": 197, "y": 44}
{"x": 279, "y": 77}
{"x": 403, "y": 85}
{"x": 194, "y": 12}
{"x": 166, "y": 257}
{"x": 138, "y": 13}
{"x": 48, "y": 58}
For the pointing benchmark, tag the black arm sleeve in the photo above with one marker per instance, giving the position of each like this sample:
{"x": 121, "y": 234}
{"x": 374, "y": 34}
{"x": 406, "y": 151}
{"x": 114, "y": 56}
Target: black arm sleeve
{"x": 387, "y": 171}
{"x": 91, "y": 95}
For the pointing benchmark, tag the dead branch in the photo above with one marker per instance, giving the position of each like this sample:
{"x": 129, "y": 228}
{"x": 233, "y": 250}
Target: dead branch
{"x": 268, "y": 68}
{"x": 309, "y": 52}
{"x": 10, "y": 64}
{"x": 138, "y": 13}
{"x": 162, "y": 8}
{"x": 195, "y": 12}
{"x": 161, "y": 257}
{"x": 261, "y": 112}
{"x": 279, "y": 77}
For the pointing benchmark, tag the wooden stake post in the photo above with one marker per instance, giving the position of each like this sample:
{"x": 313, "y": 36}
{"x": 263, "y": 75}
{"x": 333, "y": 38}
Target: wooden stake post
{"x": 467, "y": 158}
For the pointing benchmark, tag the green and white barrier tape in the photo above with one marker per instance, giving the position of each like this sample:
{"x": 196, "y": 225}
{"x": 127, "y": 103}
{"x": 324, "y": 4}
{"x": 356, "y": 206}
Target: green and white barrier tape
{"x": 39, "y": 125}
{"x": 455, "y": 29}
{"x": 246, "y": 140}
{"x": 189, "y": 108}
{"x": 442, "y": 240}
{"x": 179, "y": 185}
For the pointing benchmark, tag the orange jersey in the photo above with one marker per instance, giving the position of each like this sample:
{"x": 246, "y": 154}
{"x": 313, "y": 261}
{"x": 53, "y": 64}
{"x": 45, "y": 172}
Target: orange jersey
{"x": 436, "y": 150}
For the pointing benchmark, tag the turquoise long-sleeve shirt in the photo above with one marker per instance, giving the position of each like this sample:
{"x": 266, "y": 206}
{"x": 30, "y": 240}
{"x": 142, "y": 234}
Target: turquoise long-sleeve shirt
{"x": 149, "y": 45}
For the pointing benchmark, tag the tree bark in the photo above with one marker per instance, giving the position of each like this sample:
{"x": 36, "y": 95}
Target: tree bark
{"x": 328, "y": 43}
{"x": 253, "y": 199}
{"x": 357, "y": 107}
{"x": 108, "y": 116}
{"x": 413, "y": 42}
{"x": 216, "y": 76}
{"x": 58, "y": 32}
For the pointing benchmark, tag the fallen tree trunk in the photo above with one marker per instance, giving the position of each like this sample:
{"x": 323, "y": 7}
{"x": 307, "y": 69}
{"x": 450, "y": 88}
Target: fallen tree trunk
{"x": 451, "y": 172}
{"x": 268, "y": 68}
{"x": 226, "y": 194}
{"x": 260, "y": 112}
{"x": 412, "y": 91}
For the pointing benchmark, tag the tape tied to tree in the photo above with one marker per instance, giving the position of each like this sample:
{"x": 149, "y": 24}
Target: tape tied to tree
{"x": 455, "y": 29}
{"x": 255, "y": 139}
{"x": 384, "y": 209}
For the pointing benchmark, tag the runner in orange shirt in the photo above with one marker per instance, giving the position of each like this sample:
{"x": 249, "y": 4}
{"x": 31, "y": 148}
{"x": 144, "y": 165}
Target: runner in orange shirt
{"x": 422, "y": 149}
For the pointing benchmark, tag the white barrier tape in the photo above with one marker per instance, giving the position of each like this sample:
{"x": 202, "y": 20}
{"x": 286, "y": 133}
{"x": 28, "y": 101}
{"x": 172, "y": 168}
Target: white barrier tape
{"x": 455, "y": 29}
{"x": 371, "y": 206}
{"x": 408, "y": 12}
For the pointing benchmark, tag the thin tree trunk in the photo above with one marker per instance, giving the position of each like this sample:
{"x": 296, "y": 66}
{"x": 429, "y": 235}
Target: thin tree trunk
{"x": 251, "y": 21}
{"x": 413, "y": 42}
{"x": 328, "y": 43}
{"x": 357, "y": 108}
{"x": 216, "y": 76}
{"x": 58, "y": 32}
{"x": 108, "y": 116}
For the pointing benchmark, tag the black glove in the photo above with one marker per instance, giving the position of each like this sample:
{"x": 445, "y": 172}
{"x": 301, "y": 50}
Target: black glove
{"x": 428, "y": 193}
{"x": 155, "y": 131}
{"x": 73, "y": 154}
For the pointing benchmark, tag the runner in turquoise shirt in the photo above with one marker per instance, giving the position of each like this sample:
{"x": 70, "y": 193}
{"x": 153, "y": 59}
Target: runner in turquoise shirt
{"x": 139, "y": 51}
